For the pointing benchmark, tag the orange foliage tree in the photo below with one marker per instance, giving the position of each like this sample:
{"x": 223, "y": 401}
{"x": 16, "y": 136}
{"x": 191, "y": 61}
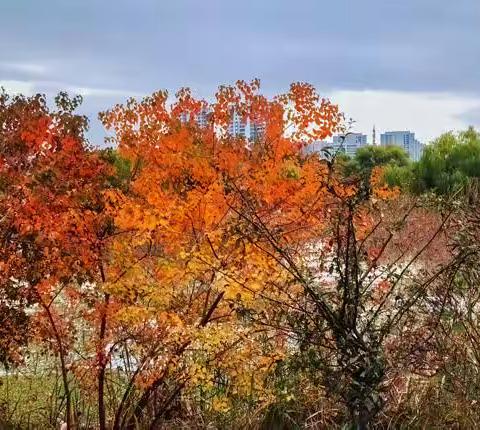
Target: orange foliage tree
{"x": 50, "y": 227}
{"x": 183, "y": 236}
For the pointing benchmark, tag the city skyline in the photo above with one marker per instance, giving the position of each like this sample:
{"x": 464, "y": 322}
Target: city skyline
{"x": 360, "y": 56}
{"x": 349, "y": 143}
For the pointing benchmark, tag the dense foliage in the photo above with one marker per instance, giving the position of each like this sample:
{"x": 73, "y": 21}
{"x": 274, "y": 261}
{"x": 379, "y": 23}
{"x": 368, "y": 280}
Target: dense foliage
{"x": 193, "y": 278}
{"x": 368, "y": 157}
{"x": 448, "y": 165}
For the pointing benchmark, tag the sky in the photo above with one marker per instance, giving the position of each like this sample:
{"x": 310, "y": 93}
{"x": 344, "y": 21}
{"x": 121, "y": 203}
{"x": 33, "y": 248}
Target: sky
{"x": 396, "y": 64}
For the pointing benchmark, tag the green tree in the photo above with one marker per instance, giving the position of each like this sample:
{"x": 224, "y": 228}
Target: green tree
{"x": 449, "y": 163}
{"x": 400, "y": 176}
{"x": 370, "y": 156}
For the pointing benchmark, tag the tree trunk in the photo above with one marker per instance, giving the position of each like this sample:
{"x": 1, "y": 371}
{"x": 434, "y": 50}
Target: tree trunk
{"x": 63, "y": 365}
{"x": 102, "y": 362}
{"x": 363, "y": 396}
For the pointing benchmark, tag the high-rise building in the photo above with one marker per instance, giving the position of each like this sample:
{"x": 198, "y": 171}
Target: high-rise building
{"x": 201, "y": 118}
{"x": 257, "y": 130}
{"x": 416, "y": 151}
{"x": 349, "y": 143}
{"x": 318, "y": 147}
{"x": 237, "y": 125}
{"x": 184, "y": 117}
{"x": 405, "y": 140}
{"x": 346, "y": 144}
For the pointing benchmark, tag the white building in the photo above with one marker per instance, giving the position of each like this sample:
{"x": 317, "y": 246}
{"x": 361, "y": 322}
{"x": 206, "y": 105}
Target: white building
{"x": 237, "y": 126}
{"x": 342, "y": 144}
{"x": 405, "y": 140}
{"x": 416, "y": 151}
{"x": 201, "y": 118}
{"x": 349, "y": 143}
{"x": 318, "y": 147}
{"x": 257, "y": 130}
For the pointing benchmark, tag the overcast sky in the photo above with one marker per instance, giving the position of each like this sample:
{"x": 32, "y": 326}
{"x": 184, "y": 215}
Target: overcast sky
{"x": 399, "y": 64}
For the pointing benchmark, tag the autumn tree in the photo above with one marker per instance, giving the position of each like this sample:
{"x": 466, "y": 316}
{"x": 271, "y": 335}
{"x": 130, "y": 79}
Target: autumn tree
{"x": 184, "y": 233}
{"x": 51, "y": 233}
{"x": 273, "y": 238}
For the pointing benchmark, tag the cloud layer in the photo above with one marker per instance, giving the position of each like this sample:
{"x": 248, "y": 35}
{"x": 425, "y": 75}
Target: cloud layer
{"x": 420, "y": 53}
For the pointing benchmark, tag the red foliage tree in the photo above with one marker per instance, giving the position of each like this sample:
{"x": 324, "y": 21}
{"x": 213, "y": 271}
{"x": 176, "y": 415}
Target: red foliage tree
{"x": 50, "y": 229}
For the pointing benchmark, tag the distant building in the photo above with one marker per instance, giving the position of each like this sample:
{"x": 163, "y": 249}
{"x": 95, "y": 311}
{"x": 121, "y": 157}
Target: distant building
{"x": 417, "y": 151}
{"x": 201, "y": 118}
{"x": 184, "y": 117}
{"x": 349, "y": 143}
{"x": 237, "y": 126}
{"x": 318, "y": 147}
{"x": 405, "y": 140}
{"x": 344, "y": 144}
{"x": 257, "y": 130}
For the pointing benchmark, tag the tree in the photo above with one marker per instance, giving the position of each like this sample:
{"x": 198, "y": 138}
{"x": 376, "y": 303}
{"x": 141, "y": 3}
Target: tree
{"x": 449, "y": 163}
{"x": 402, "y": 177}
{"x": 349, "y": 279}
{"x": 392, "y": 159}
{"x": 368, "y": 157}
{"x": 184, "y": 221}
{"x": 50, "y": 229}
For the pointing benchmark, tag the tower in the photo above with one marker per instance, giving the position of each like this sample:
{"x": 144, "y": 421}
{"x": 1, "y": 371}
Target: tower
{"x": 374, "y": 136}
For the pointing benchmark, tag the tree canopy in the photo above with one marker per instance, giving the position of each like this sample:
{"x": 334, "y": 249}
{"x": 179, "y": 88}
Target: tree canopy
{"x": 449, "y": 162}
{"x": 368, "y": 157}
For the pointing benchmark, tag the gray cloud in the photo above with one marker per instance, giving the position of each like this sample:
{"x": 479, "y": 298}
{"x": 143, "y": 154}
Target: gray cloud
{"x": 412, "y": 44}
{"x": 124, "y": 46}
